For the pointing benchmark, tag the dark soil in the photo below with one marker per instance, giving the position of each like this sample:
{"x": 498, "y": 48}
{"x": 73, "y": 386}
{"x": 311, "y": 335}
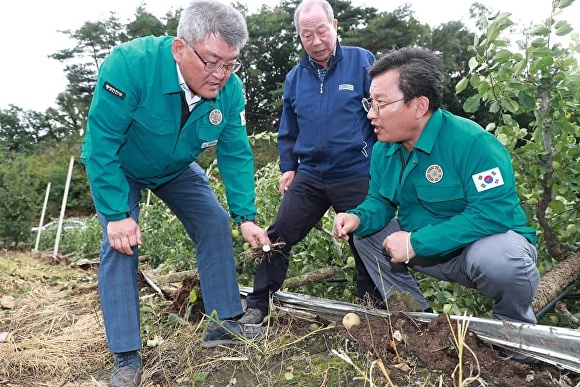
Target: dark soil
{"x": 402, "y": 340}
{"x": 411, "y": 352}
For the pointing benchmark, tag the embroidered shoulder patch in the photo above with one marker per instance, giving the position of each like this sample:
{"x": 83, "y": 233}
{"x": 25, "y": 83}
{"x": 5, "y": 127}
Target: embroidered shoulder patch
{"x": 113, "y": 90}
{"x": 487, "y": 179}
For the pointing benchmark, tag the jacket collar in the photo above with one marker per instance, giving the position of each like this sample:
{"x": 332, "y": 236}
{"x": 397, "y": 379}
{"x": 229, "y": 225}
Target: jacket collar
{"x": 335, "y": 57}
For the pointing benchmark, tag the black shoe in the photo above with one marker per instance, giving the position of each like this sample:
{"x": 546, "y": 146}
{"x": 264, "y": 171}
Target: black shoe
{"x": 229, "y": 332}
{"x": 252, "y": 318}
{"x": 127, "y": 371}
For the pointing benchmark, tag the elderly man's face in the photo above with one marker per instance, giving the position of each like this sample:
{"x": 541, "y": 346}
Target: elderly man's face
{"x": 317, "y": 34}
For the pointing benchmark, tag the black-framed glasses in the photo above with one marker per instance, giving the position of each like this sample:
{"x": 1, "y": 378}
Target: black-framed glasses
{"x": 369, "y": 103}
{"x": 216, "y": 67}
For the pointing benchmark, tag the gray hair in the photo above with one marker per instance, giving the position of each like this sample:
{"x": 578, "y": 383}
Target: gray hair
{"x": 308, "y": 4}
{"x": 203, "y": 18}
{"x": 420, "y": 73}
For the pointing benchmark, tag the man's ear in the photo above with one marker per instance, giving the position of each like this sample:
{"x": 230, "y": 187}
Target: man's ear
{"x": 422, "y": 106}
{"x": 177, "y": 49}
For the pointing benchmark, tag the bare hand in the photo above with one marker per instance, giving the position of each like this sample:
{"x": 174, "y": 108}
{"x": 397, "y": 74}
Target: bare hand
{"x": 396, "y": 246}
{"x": 123, "y": 235}
{"x": 255, "y": 235}
{"x": 286, "y": 180}
{"x": 345, "y": 224}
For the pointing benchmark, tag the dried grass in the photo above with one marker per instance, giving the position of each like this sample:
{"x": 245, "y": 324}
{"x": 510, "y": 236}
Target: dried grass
{"x": 53, "y": 336}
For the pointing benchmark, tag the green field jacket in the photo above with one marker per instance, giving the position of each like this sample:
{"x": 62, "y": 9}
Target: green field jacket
{"x": 456, "y": 186}
{"x": 133, "y": 130}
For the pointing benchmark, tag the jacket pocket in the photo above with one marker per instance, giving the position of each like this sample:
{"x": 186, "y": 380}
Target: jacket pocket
{"x": 442, "y": 201}
{"x": 210, "y": 132}
{"x": 149, "y": 148}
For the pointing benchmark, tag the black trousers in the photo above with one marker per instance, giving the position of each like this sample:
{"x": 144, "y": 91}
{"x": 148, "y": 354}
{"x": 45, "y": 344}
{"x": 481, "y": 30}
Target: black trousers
{"x": 303, "y": 205}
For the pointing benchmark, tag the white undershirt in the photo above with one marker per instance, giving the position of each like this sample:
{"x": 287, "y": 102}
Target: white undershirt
{"x": 190, "y": 97}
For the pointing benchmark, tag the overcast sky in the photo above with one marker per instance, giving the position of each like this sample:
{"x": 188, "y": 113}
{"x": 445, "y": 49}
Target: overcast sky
{"x": 28, "y": 33}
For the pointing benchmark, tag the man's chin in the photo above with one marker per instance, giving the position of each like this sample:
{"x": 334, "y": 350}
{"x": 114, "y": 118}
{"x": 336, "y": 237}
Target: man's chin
{"x": 208, "y": 94}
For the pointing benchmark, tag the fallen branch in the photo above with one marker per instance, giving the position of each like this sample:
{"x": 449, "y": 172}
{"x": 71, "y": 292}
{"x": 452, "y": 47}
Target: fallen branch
{"x": 554, "y": 282}
{"x": 154, "y": 286}
{"x": 175, "y": 277}
{"x": 312, "y": 277}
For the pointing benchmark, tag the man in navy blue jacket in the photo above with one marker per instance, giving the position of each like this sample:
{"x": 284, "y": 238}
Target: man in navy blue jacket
{"x": 325, "y": 141}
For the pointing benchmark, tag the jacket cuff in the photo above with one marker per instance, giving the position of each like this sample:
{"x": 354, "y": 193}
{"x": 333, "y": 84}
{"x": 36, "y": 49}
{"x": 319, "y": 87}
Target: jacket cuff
{"x": 115, "y": 217}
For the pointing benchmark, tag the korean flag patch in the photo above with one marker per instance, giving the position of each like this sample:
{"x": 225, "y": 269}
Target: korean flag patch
{"x": 487, "y": 179}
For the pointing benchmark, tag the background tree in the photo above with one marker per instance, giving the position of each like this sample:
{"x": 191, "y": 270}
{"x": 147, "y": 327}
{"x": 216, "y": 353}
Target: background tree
{"x": 269, "y": 55}
{"x": 384, "y": 31}
{"x": 17, "y": 130}
{"x": 17, "y": 200}
{"x": 538, "y": 81}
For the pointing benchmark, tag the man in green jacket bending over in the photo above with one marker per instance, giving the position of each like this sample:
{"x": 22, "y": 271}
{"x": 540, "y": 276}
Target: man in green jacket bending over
{"x": 159, "y": 102}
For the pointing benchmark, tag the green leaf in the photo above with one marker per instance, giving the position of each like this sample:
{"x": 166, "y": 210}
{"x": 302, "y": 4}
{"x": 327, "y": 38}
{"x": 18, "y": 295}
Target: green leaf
{"x": 201, "y": 376}
{"x": 563, "y": 28}
{"x": 472, "y": 103}
{"x": 541, "y": 64}
{"x": 525, "y": 100}
{"x": 192, "y": 296}
{"x": 540, "y": 31}
{"x": 473, "y": 63}
{"x": 474, "y": 80}
{"x": 483, "y": 87}
{"x": 564, "y": 3}
{"x": 461, "y": 85}
{"x": 557, "y": 206}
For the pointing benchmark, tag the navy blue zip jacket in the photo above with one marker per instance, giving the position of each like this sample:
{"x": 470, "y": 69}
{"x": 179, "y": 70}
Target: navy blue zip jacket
{"x": 324, "y": 131}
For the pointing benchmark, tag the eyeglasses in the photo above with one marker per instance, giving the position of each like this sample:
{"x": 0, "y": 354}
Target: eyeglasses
{"x": 216, "y": 67}
{"x": 369, "y": 103}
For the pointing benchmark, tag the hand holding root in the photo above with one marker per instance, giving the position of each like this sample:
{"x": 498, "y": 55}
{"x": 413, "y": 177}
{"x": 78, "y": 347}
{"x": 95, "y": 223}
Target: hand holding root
{"x": 258, "y": 253}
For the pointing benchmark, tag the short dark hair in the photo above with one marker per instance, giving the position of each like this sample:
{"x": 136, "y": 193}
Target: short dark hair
{"x": 420, "y": 73}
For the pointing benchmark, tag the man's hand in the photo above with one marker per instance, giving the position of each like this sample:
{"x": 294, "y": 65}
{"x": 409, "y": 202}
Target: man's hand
{"x": 397, "y": 245}
{"x": 345, "y": 224}
{"x": 123, "y": 235}
{"x": 255, "y": 235}
{"x": 285, "y": 181}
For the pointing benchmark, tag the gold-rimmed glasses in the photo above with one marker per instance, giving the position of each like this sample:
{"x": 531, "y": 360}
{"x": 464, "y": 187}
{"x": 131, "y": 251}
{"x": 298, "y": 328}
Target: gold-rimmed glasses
{"x": 216, "y": 67}
{"x": 369, "y": 103}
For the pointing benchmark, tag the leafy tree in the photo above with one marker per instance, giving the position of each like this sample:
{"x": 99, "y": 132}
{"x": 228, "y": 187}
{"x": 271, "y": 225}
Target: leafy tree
{"x": 539, "y": 80}
{"x": 17, "y": 203}
{"x": 385, "y": 31}
{"x": 145, "y": 24}
{"x": 270, "y": 53}
{"x": 451, "y": 40}
{"x": 16, "y": 135}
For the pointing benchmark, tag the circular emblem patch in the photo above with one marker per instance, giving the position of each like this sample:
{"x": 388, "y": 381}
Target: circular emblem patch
{"x": 215, "y": 117}
{"x": 434, "y": 173}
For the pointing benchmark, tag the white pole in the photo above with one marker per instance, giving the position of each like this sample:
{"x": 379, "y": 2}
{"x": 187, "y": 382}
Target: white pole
{"x": 63, "y": 207}
{"x": 42, "y": 218}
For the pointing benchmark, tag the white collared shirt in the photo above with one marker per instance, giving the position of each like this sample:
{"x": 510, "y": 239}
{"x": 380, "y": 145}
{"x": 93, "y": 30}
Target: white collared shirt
{"x": 190, "y": 97}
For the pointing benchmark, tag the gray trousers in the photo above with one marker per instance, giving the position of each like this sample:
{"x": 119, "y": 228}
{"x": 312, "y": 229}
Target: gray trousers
{"x": 501, "y": 266}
